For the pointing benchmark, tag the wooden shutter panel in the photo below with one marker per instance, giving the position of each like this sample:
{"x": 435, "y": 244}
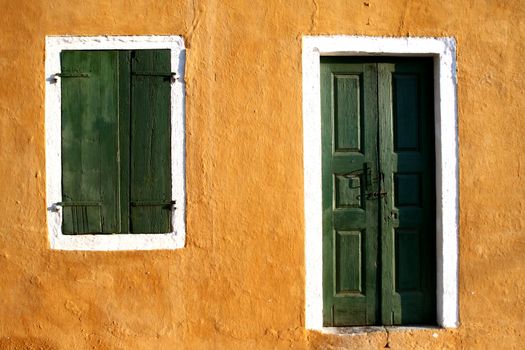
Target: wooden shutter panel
{"x": 89, "y": 141}
{"x": 150, "y": 133}
{"x": 350, "y": 225}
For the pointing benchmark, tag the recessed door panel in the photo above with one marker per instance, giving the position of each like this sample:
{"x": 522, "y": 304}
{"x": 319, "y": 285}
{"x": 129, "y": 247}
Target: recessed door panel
{"x": 349, "y": 192}
{"x": 347, "y": 112}
{"x": 349, "y": 254}
{"x": 407, "y": 260}
{"x": 407, "y": 189}
{"x": 406, "y": 111}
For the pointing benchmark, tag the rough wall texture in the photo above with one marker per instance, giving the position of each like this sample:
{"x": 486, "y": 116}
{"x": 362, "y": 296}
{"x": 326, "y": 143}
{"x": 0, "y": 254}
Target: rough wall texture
{"x": 239, "y": 283}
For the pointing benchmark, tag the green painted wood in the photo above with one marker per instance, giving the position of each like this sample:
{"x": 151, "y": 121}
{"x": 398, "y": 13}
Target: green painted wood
{"x": 349, "y": 262}
{"x": 406, "y": 124}
{"x": 89, "y": 141}
{"x": 150, "y": 133}
{"x": 347, "y": 121}
{"x": 378, "y": 191}
{"x": 407, "y": 264}
{"x": 387, "y": 164}
{"x": 406, "y": 141}
{"x": 408, "y": 189}
{"x": 350, "y": 221}
{"x": 348, "y": 191}
{"x": 124, "y": 133}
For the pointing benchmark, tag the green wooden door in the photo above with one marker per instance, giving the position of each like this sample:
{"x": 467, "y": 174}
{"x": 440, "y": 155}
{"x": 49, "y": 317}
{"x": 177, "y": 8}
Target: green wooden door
{"x": 350, "y": 223}
{"x": 378, "y": 192}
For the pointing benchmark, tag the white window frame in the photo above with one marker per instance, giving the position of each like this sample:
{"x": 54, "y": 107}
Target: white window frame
{"x": 57, "y": 240}
{"x": 443, "y": 50}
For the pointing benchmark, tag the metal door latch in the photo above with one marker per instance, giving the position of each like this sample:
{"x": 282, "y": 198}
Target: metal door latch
{"x": 375, "y": 195}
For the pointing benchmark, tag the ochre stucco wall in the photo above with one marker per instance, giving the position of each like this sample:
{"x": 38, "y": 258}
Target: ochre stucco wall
{"x": 239, "y": 282}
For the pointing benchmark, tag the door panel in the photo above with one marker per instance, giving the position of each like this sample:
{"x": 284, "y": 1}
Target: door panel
{"x": 349, "y": 173}
{"x": 348, "y": 191}
{"x": 407, "y": 211}
{"x": 349, "y": 264}
{"x": 348, "y": 119}
{"x": 405, "y": 104}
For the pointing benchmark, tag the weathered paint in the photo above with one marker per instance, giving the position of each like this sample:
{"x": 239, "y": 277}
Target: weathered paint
{"x": 239, "y": 282}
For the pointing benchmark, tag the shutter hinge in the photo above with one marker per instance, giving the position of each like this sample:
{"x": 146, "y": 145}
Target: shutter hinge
{"x": 174, "y": 76}
{"x": 171, "y": 204}
{"x": 79, "y": 204}
{"x": 58, "y": 206}
{"x": 54, "y": 77}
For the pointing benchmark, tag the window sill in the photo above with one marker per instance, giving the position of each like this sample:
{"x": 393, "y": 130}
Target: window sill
{"x": 117, "y": 242}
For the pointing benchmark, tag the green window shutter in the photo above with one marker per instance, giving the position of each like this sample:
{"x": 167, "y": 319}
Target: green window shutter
{"x": 89, "y": 141}
{"x": 378, "y": 191}
{"x": 116, "y": 147}
{"x": 150, "y": 133}
{"x": 350, "y": 225}
{"x": 408, "y": 212}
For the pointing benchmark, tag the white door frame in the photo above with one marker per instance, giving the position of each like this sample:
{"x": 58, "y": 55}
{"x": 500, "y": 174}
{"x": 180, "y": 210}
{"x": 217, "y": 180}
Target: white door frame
{"x": 443, "y": 50}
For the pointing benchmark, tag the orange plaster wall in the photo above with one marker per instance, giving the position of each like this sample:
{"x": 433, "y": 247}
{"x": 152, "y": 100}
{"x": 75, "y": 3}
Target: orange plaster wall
{"x": 239, "y": 283}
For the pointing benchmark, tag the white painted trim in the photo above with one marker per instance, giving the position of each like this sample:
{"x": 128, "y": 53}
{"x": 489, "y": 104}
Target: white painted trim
{"x": 444, "y": 52}
{"x": 171, "y": 240}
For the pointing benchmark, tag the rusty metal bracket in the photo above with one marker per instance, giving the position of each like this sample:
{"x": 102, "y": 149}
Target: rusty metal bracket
{"x": 376, "y": 195}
